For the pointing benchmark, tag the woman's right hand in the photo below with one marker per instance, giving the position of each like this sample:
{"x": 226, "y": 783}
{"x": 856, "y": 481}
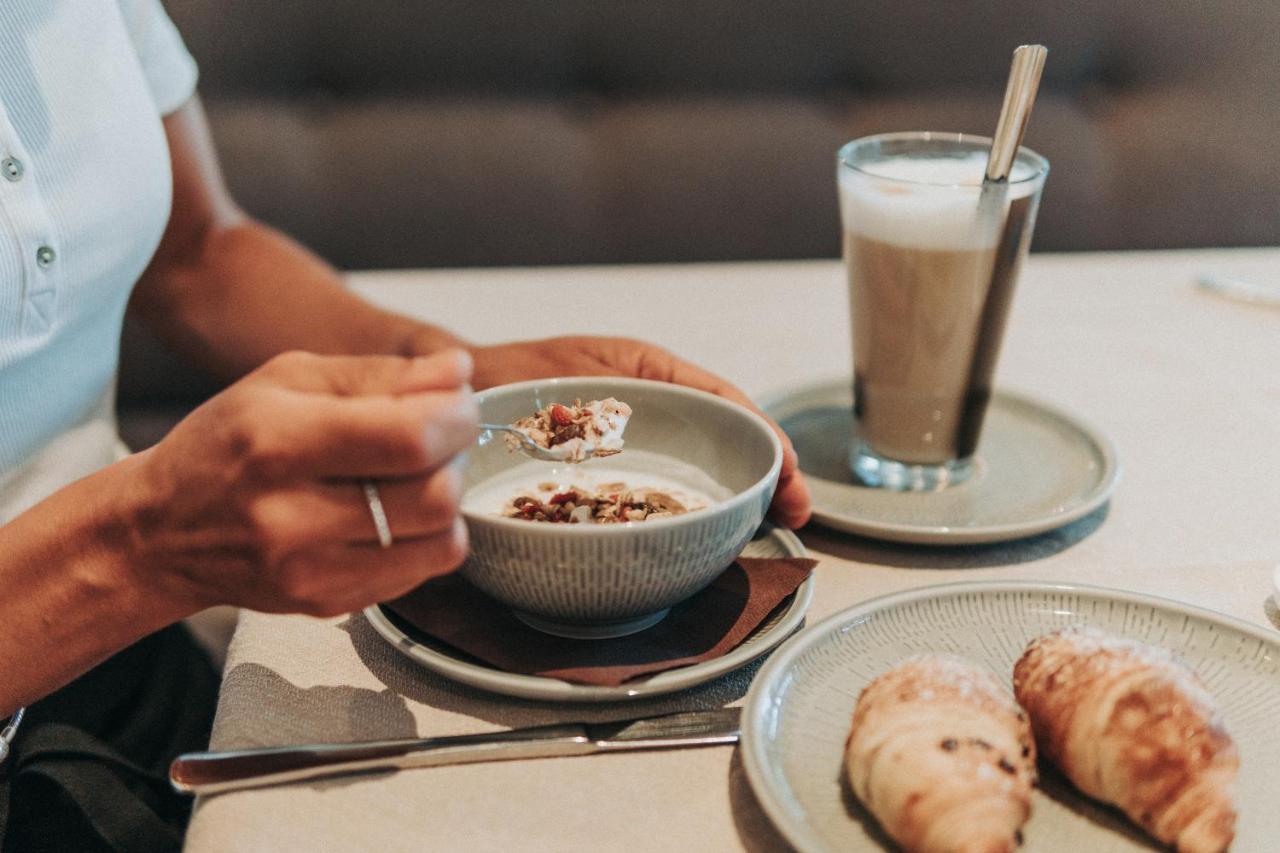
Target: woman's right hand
{"x": 256, "y": 500}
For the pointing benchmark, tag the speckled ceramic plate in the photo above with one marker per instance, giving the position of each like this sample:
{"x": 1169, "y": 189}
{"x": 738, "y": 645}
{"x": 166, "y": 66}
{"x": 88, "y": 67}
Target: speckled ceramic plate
{"x": 1037, "y": 469}
{"x": 769, "y": 542}
{"x": 800, "y": 706}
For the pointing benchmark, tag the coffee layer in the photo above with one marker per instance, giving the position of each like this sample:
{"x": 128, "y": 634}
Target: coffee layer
{"x": 927, "y": 327}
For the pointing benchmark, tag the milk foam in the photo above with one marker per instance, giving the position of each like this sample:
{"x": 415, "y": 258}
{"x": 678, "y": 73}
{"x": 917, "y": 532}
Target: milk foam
{"x": 929, "y": 203}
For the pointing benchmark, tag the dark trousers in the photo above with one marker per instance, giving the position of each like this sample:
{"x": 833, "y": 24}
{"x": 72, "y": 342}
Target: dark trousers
{"x": 89, "y": 766}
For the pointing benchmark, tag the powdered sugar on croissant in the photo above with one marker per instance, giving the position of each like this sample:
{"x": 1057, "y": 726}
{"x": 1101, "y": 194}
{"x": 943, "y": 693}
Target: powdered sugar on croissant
{"x": 1131, "y": 726}
{"x": 943, "y": 757}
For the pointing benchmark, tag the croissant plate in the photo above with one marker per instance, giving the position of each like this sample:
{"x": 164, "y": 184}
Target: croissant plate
{"x": 1131, "y": 726}
{"x": 942, "y": 757}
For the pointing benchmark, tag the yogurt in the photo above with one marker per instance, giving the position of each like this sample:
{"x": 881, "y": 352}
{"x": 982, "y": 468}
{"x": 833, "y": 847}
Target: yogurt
{"x": 636, "y": 469}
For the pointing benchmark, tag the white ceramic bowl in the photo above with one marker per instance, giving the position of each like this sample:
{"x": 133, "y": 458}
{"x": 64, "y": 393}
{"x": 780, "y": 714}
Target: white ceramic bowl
{"x": 608, "y": 580}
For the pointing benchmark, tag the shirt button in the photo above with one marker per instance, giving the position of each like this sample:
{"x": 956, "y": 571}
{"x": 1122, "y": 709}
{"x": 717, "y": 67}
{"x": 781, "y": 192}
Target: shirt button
{"x": 45, "y": 257}
{"x": 11, "y": 168}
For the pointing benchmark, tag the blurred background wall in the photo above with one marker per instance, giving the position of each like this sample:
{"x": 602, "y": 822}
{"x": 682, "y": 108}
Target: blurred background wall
{"x": 427, "y": 133}
{"x": 404, "y": 133}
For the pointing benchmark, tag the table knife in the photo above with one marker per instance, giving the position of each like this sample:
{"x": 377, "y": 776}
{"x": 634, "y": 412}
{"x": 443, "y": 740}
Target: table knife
{"x": 215, "y": 772}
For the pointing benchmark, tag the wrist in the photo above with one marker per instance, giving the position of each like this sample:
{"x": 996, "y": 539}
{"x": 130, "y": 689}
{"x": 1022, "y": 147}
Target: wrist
{"x": 76, "y": 557}
{"x": 132, "y": 528}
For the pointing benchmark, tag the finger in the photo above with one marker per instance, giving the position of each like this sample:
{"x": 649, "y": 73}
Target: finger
{"x": 361, "y": 437}
{"x": 792, "y": 503}
{"x": 684, "y": 373}
{"x": 349, "y": 376}
{"x": 337, "y": 511}
{"x": 344, "y": 579}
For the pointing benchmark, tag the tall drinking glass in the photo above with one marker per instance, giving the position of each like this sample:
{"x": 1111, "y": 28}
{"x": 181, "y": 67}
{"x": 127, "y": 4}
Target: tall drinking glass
{"x": 931, "y": 259}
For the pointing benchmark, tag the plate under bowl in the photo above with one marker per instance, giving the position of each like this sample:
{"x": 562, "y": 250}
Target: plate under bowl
{"x": 770, "y": 541}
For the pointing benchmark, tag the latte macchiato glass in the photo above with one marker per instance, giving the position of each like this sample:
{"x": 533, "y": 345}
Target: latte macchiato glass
{"x": 931, "y": 259}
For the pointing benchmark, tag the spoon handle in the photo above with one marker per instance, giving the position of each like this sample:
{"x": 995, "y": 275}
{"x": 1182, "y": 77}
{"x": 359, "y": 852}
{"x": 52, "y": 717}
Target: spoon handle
{"x": 1019, "y": 97}
{"x": 530, "y": 447}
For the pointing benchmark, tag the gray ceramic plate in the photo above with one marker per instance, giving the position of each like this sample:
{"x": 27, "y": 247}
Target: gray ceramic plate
{"x": 1037, "y": 470}
{"x": 801, "y": 703}
{"x": 769, "y": 542}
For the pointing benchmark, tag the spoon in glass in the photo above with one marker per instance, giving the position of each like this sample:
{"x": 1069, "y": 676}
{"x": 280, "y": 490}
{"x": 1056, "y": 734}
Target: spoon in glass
{"x": 1019, "y": 97}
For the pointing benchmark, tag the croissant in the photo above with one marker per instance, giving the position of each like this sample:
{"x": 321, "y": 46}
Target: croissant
{"x": 1131, "y": 726}
{"x": 942, "y": 757}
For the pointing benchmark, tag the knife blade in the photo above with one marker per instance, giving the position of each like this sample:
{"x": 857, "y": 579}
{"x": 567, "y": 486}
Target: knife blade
{"x": 216, "y": 772}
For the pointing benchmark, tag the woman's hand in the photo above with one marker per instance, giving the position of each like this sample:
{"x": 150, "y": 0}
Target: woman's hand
{"x": 255, "y": 499}
{"x": 596, "y": 356}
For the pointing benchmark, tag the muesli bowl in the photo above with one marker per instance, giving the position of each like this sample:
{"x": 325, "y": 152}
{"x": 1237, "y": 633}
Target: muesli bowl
{"x": 590, "y": 580}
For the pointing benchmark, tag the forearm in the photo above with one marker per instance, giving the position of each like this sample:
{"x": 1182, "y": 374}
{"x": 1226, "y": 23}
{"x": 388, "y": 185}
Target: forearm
{"x": 248, "y": 293}
{"x": 73, "y": 584}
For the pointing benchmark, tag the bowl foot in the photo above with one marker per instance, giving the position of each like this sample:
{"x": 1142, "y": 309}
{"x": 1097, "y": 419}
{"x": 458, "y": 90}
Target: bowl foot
{"x": 592, "y": 630}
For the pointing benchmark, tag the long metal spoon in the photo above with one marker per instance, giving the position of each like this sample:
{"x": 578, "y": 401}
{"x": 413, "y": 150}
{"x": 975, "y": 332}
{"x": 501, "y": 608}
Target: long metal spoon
{"x": 1019, "y": 97}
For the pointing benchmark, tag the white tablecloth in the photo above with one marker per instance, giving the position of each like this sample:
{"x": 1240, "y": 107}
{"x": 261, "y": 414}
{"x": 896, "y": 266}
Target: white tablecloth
{"x": 1186, "y": 384}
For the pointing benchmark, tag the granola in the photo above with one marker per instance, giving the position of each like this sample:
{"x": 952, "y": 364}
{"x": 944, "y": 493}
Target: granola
{"x": 610, "y": 503}
{"x": 575, "y": 432}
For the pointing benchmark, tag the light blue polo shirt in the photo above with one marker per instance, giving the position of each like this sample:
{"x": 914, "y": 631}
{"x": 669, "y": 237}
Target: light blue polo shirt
{"x": 85, "y": 187}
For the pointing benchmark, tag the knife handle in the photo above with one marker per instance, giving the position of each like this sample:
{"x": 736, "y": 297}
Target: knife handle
{"x": 216, "y": 772}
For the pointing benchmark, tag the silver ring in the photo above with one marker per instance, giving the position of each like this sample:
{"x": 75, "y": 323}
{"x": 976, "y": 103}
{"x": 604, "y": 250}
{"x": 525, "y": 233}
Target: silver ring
{"x": 379, "y": 514}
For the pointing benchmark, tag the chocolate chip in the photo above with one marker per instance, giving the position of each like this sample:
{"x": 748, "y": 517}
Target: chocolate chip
{"x": 1017, "y": 837}
{"x": 949, "y": 744}
{"x": 977, "y": 741}
{"x": 1026, "y": 751}
{"x": 1004, "y": 765}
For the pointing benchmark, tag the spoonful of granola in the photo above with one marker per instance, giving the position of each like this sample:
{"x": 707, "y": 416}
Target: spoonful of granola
{"x": 560, "y": 433}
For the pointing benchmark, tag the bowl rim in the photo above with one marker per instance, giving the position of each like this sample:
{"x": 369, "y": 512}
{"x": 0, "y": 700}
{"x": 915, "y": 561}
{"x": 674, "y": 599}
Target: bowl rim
{"x": 730, "y": 504}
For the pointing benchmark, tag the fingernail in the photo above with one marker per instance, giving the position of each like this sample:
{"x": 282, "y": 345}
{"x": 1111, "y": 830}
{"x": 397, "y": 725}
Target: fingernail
{"x": 468, "y": 406}
{"x": 466, "y": 364}
{"x": 455, "y": 426}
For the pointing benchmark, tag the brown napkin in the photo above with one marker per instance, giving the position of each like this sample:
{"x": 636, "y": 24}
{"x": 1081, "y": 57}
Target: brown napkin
{"x": 450, "y": 610}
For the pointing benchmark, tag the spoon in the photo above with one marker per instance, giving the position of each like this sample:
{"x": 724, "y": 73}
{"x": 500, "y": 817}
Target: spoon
{"x": 1019, "y": 97}
{"x": 529, "y": 447}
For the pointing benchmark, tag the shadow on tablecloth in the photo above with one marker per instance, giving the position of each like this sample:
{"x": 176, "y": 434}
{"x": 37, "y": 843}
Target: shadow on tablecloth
{"x": 299, "y": 715}
{"x": 862, "y": 550}
{"x": 260, "y": 707}
{"x": 755, "y": 830}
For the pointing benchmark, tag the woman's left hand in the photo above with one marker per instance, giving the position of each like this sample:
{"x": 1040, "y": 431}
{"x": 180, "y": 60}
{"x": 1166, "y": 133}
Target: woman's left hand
{"x": 599, "y": 356}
